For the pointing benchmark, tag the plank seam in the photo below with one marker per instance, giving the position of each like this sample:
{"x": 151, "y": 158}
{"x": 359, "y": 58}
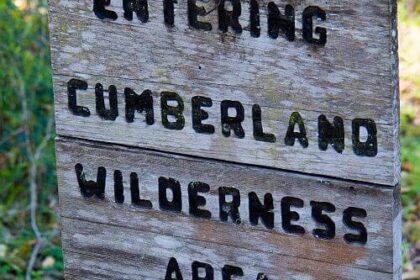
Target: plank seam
{"x": 66, "y": 138}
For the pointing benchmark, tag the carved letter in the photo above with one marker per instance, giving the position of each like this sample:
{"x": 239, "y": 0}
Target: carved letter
{"x": 347, "y": 219}
{"x": 254, "y": 18}
{"x": 257, "y": 210}
{"x": 207, "y": 268}
{"x": 330, "y": 134}
{"x": 234, "y": 123}
{"x": 229, "y": 18}
{"x": 139, "y": 103}
{"x": 259, "y": 134}
{"x": 135, "y": 193}
{"x": 112, "y": 113}
{"x": 168, "y": 12}
{"x": 118, "y": 187}
{"x": 176, "y": 204}
{"x": 195, "y": 200}
{"x": 172, "y": 271}
{"x": 138, "y": 6}
{"x": 317, "y": 208}
{"x": 228, "y": 271}
{"x": 101, "y": 12}
{"x": 307, "y": 25}
{"x": 370, "y": 147}
{"x": 171, "y": 110}
{"x": 288, "y": 216}
{"x": 72, "y": 86}
{"x": 199, "y": 115}
{"x": 277, "y": 21}
{"x": 91, "y": 188}
{"x": 193, "y": 12}
{"x": 262, "y": 276}
{"x": 291, "y": 135}
{"x": 229, "y": 208}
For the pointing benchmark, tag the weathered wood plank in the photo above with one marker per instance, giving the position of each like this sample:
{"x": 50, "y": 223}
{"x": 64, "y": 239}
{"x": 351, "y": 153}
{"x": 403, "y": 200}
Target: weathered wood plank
{"x": 101, "y": 250}
{"x": 353, "y": 76}
{"x": 247, "y": 150}
{"x": 287, "y": 225}
{"x": 382, "y": 208}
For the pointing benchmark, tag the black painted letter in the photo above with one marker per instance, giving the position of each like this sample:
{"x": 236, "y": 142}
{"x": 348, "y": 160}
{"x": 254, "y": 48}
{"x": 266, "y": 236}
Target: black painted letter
{"x": 72, "y": 86}
{"x": 277, "y": 21}
{"x": 168, "y": 12}
{"x": 172, "y": 271}
{"x": 171, "y": 110}
{"x": 118, "y": 187}
{"x": 261, "y": 276}
{"x": 330, "y": 133}
{"x": 231, "y": 209}
{"x": 208, "y": 269}
{"x": 138, "y": 6}
{"x": 368, "y": 148}
{"x": 257, "y": 210}
{"x": 135, "y": 193}
{"x": 348, "y": 214}
{"x": 229, "y": 270}
{"x": 176, "y": 204}
{"x": 234, "y": 123}
{"x": 193, "y": 12}
{"x": 254, "y": 18}
{"x": 91, "y": 188}
{"x": 329, "y": 231}
{"x": 307, "y": 25}
{"x": 229, "y": 18}
{"x": 291, "y": 135}
{"x": 199, "y": 115}
{"x": 101, "y": 12}
{"x": 139, "y": 103}
{"x": 195, "y": 200}
{"x": 111, "y": 113}
{"x": 288, "y": 216}
{"x": 259, "y": 134}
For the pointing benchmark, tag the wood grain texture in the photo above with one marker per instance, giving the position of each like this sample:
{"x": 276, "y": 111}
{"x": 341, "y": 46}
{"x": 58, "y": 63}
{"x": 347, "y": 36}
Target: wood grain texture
{"x": 97, "y": 250}
{"x": 354, "y": 76}
{"x": 104, "y": 239}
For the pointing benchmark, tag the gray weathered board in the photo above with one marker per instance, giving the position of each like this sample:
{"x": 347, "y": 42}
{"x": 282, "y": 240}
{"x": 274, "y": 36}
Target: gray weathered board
{"x": 104, "y": 239}
{"x": 335, "y": 210}
{"x": 353, "y": 76}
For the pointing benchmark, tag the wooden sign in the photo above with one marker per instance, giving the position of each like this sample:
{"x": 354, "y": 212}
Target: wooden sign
{"x": 229, "y": 139}
{"x": 277, "y": 98}
{"x": 131, "y": 215}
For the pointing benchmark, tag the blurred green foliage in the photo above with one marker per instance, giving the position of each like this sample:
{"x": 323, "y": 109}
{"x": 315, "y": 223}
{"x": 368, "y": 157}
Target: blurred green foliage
{"x": 409, "y": 39}
{"x": 25, "y": 78}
